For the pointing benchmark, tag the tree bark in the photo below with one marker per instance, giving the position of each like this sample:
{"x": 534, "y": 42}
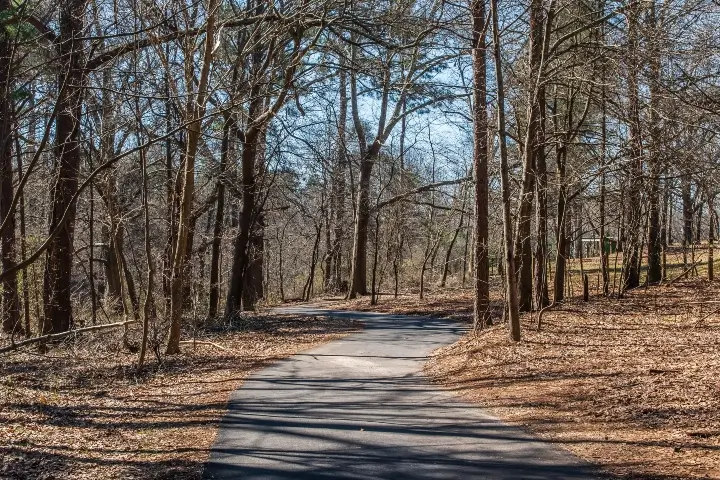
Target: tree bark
{"x": 214, "y": 300}
{"x": 654, "y": 271}
{"x": 195, "y": 113}
{"x": 480, "y": 166}
{"x": 533, "y": 141}
{"x": 9, "y": 302}
{"x": 711, "y": 240}
{"x": 687, "y": 208}
{"x": 511, "y": 290}
{"x": 339, "y": 181}
{"x": 58, "y": 314}
{"x": 233, "y": 303}
{"x": 631, "y": 257}
{"x": 561, "y": 237}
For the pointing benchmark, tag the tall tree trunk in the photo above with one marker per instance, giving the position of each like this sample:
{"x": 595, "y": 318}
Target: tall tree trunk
{"x": 241, "y": 253}
{"x": 148, "y": 305}
{"x": 253, "y": 289}
{"x": 172, "y": 192}
{"x": 654, "y": 271}
{"x": 253, "y": 278}
{"x": 308, "y": 288}
{"x": 187, "y": 292}
{"x": 359, "y": 258}
{"x": 511, "y": 290}
{"x": 480, "y": 166}
{"x": 631, "y": 257}
{"x": 711, "y": 240}
{"x": 113, "y": 286}
{"x": 58, "y": 314}
{"x": 195, "y": 113}
{"x": 23, "y": 242}
{"x": 541, "y": 249}
{"x": 368, "y": 157}
{"x": 9, "y": 304}
{"x": 563, "y": 221}
{"x": 328, "y": 257}
{"x": 533, "y": 141}
{"x": 604, "y": 256}
{"x": 339, "y": 179}
{"x": 228, "y": 126}
{"x": 664, "y": 227}
{"x": 376, "y": 251}
{"x": 687, "y": 215}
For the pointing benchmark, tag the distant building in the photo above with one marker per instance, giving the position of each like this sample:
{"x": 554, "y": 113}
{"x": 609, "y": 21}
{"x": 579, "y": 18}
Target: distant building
{"x": 591, "y": 246}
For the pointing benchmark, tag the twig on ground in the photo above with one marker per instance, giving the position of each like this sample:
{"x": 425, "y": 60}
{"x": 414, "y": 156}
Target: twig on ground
{"x": 683, "y": 274}
{"x": 199, "y": 342}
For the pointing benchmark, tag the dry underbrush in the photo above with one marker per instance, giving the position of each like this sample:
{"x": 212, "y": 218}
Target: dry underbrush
{"x": 632, "y": 384}
{"x": 447, "y": 303}
{"x": 83, "y": 411}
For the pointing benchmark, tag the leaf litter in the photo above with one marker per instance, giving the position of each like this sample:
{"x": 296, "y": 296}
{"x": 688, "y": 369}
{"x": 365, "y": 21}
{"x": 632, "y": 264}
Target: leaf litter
{"x": 82, "y": 410}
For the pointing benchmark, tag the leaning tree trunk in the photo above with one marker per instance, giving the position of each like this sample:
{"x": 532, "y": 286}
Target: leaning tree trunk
{"x": 453, "y": 240}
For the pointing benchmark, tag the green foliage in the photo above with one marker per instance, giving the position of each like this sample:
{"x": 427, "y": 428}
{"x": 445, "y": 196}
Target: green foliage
{"x": 14, "y": 27}
{"x": 20, "y": 94}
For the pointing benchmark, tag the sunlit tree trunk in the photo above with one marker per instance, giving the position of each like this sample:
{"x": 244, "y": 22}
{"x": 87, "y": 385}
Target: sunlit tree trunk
{"x": 195, "y": 113}
{"x": 631, "y": 248}
{"x": 510, "y": 286}
{"x": 654, "y": 270}
{"x": 533, "y": 141}
{"x": 219, "y": 220}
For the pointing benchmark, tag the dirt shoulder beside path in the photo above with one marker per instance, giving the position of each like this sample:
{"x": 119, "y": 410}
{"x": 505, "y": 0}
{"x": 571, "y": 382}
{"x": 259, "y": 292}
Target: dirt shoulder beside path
{"x": 630, "y": 384}
{"x": 82, "y": 412}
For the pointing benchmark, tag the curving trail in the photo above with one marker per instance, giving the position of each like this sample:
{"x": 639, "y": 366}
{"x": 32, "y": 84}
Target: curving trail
{"x": 360, "y": 408}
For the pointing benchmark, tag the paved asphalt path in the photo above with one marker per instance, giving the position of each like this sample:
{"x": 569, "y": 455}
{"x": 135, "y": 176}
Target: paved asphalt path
{"x": 360, "y": 408}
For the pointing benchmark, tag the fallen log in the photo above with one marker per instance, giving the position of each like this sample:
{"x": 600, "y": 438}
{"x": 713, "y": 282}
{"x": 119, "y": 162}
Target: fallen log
{"x": 59, "y": 336}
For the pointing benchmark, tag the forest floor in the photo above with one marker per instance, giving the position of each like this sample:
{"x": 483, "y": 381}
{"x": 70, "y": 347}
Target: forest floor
{"x": 88, "y": 414}
{"x": 631, "y": 384}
